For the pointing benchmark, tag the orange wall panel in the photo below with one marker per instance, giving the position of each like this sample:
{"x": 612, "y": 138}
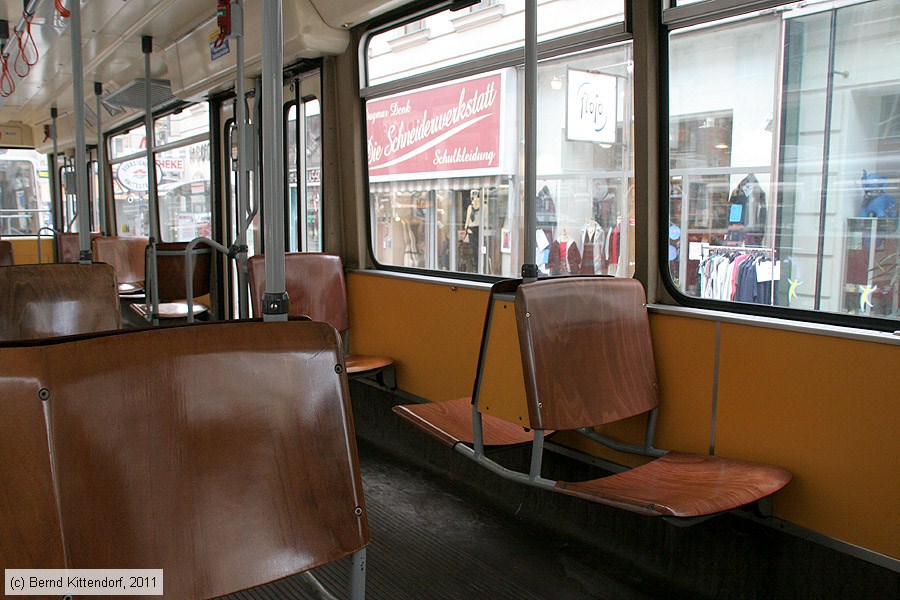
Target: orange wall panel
{"x": 823, "y": 407}
{"x": 503, "y": 384}
{"x": 432, "y": 331}
{"x": 826, "y": 409}
{"x": 684, "y": 350}
{"x": 25, "y": 250}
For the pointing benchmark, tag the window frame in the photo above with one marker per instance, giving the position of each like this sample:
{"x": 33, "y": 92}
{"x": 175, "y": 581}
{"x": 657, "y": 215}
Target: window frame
{"x": 596, "y": 39}
{"x": 699, "y": 13}
{"x": 137, "y": 123}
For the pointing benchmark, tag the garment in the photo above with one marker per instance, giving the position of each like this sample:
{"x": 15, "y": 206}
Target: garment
{"x": 747, "y": 196}
{"x": 746, "y": 286}
{"x": 465, "y": 257}
{"x": 545, "y": 208}
{"x": 738, "y": 261}
{"x": 592, "y": 251}
{"x": 553, "y": 260}
{"x": 614, "y": 245}
{"x": 573, "y": 258}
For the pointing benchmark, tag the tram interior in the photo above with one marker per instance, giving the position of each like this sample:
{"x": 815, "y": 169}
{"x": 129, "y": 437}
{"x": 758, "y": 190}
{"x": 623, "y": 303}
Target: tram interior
{"x": 436, "y": 524}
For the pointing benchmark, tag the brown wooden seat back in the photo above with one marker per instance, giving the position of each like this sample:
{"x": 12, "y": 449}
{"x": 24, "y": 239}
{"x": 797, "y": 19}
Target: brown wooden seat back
{"x": 30, "y": 534}
{"x": 170, "y": 271}
{"x": 223, "y": 453}
{"x": 125, "y": 254}
{"x": 68, "y": 248}
{"x": 38, "y": 301}
{"x": 586, "y": 351}
{"x": 587, "y": 360}
{"x": 315, "y": 285}
{"x": 6, "y": 254}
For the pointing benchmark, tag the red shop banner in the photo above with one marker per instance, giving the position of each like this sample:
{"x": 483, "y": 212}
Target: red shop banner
{"x": 454, "y": 129}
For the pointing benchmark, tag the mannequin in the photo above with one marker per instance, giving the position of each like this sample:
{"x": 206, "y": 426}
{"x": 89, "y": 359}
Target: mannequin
{"x": 472, "y": 211}
{"x": 467, "y": 248}
{"x": 563, "y": 241}
{"x": 411, "y": 256}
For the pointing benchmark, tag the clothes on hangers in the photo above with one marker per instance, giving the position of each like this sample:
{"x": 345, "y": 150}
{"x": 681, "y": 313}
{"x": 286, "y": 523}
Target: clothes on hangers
{"x": 738, "y": 275}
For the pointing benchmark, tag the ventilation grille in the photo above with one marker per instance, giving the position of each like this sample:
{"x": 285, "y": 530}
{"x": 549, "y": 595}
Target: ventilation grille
{"x": 133, "y": 95}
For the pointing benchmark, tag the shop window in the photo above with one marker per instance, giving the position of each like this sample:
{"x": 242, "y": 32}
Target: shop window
{"x": 789, "y": 197}
{"x": 444, "y": 175}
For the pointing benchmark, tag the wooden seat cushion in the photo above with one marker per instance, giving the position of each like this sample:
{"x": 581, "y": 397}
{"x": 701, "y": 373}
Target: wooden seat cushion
{"x": 683, "y": 485}
{"x": 170, "y": 310}
{"x": 361, "y": 363}
{"x": 134, "y": 287}
{"x": 450, "y": 422}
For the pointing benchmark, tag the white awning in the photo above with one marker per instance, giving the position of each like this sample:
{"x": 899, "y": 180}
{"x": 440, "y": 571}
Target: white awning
{"x": 444, "y": 183}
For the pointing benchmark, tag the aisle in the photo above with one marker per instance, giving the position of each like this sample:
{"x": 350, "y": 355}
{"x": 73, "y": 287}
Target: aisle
{"x": 429, "y": 542}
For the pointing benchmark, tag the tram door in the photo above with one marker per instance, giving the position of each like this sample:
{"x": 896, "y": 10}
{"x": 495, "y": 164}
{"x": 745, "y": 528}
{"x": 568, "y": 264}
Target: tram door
{"x": 251, "y": 219}
{"x": 67, "y": 178}
{"x": 302, "y": 168}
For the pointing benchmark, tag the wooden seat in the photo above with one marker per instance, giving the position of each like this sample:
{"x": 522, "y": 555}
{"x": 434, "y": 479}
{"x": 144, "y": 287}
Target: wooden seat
{"x": 126, "y": 255}
{"x": 451, "y": 423}
{"x": 6, "y": 254}
{"x": 316, "y": 288}
{"x": 68, "y": 246}
{"x": 222, "y": 453}
{"x": 600, "y": 326}
{"x": 38, "y": 301}
{"x": 172, "y": 287}
{"x": 30, "y": 531}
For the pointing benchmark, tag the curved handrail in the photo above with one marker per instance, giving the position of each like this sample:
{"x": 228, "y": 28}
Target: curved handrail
{"x": 189, "y": 269}
{"x": 39, "y": 250}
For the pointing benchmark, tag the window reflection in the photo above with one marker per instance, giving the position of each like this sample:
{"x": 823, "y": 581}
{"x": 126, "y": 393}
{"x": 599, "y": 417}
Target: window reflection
{"x": 784, "y": 157}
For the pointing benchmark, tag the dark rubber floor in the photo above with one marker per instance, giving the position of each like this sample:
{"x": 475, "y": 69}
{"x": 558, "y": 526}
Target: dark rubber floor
{"x": 431, "y": 542}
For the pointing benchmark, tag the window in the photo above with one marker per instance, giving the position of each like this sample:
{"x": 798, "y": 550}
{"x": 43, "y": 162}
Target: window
{"x": 414, "y": 27}
{"x": 784, "y": 159}
{"x": 304, "y": 193}
{"x": 445, "y": 181}
{"x": 24, "y": 193}
{"x": 482, "y": 5}
{"x": 183, "y": 186}
{"x": 488, "y": 29}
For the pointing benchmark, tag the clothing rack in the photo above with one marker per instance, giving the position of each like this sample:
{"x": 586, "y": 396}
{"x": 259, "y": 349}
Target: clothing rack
{"x": 749, "y": 249}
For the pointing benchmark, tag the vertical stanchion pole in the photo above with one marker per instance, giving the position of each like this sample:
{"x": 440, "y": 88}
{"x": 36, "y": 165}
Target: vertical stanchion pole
{"x": 101, "y": 161}
{"x": 529, "y": 268}
{"x": 244, "y": 162}
{"x": 153, "y": 206}
{"x": 81, "y": 189}
{"x": 275, "y": 300}
{"x": 59, "y": 219}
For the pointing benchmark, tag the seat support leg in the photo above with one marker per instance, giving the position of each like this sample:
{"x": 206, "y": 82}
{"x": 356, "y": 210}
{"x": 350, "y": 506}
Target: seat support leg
{"x": 358, "y": 575}
{"x": 763, "y": 507}
{"x": 312, "y": 584}
{"x": 388, "y": 377}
